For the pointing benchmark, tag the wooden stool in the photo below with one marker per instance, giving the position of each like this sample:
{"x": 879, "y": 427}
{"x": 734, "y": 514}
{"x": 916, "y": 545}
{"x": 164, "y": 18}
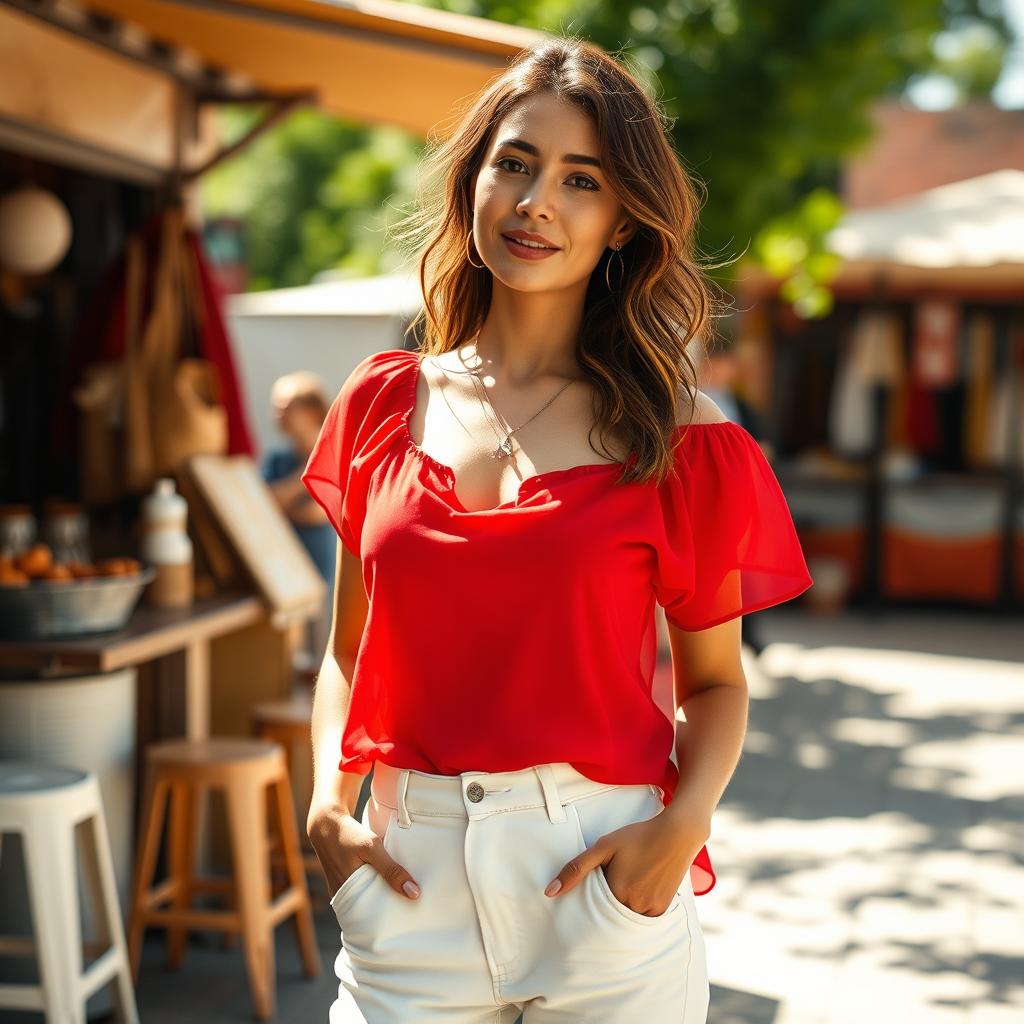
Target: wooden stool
{"x": 288, "y": 722}
{"x": 244, "y": 769}
{"x": 44, "y": 804}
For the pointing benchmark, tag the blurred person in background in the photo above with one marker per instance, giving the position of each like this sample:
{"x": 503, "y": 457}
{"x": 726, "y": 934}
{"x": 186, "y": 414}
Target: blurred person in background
{"x": 720, "y": 373}
{"x": 299, "y": 402}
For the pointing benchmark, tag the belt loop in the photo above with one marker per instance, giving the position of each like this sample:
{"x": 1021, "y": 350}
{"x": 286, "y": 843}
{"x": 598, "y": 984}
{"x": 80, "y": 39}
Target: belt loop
{"x": 403, "y": 785}
{"x": 556, "y": 812}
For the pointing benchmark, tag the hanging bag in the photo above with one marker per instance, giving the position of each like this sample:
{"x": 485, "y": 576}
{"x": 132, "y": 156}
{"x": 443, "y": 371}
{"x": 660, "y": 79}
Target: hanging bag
{"x": 186, "y": 414}
{"x": 142, "y": 415}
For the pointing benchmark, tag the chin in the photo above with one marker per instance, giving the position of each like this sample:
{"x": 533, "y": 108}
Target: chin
{"x": 522, "y": 285}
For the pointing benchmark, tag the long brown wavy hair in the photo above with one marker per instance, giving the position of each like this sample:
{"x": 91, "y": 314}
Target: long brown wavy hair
{"x": 632, "y": 345}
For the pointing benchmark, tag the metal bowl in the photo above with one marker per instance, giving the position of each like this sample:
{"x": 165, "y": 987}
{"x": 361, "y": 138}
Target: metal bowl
{"x": 47, "y": 609}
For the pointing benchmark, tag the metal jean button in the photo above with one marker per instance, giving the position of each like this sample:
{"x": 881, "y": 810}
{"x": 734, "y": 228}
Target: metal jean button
{"x": 475, "y": 792}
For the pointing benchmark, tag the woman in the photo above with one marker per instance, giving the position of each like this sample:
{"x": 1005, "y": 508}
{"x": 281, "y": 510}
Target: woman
{"x": 529, "y": 843}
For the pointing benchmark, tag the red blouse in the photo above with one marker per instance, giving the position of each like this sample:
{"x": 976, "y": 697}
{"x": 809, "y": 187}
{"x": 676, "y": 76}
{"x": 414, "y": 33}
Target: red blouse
{"x": 524, "y": 634}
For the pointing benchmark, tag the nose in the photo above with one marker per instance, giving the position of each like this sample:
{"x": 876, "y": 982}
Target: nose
{"x": 536, "y": 202}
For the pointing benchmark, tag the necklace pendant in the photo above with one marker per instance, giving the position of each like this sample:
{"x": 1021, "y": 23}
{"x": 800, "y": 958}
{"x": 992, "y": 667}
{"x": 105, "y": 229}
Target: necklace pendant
{"x": 503, "y": 449}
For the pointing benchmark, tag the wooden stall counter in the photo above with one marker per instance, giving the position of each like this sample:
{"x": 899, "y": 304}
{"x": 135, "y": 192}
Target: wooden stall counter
{"x": 221, "y": 654}
{"x": 203, "y": 667}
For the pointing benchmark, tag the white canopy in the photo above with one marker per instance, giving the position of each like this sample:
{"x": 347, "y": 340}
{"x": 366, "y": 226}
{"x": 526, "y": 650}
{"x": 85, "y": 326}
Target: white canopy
{"x": 978, "y": 222}
{"x": 396, "y": 295}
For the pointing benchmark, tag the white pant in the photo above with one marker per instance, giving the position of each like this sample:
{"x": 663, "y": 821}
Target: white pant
{"x": 482, "y": 942}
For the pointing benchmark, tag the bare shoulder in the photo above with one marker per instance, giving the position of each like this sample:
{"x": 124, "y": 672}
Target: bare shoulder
{"x": 699, "y": 409}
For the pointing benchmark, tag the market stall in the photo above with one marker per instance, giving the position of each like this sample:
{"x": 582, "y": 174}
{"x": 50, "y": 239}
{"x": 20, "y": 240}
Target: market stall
{"x": 900, "y": 422}
{"x": 142, "y": 559}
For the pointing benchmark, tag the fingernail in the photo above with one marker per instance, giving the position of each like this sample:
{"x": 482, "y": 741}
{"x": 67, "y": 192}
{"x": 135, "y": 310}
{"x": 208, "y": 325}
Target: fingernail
{"x": 553, "y": 887}
{"x": 411, "y": 889}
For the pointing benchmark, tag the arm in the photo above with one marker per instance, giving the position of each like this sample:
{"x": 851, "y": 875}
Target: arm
{"x": 295, "y": 501}
{"x": 289, "y": 491}
{"x": 332, "y": 787}
{"x": 711, "y": 688}
{"x": 342, "y": 843}
{"x": 308, "y": 513}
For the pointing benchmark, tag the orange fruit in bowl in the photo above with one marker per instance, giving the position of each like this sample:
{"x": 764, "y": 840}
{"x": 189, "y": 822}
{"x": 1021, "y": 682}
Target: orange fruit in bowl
{"x": 57, "y": 574}
{"x": 83, "y": 570}
{"x": 119, "y": 567}
{"x": 12, "y": 577}
{"x": 35, "y": 561}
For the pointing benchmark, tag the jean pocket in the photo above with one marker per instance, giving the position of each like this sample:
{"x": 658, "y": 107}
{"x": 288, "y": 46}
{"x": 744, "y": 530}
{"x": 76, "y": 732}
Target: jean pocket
{"x": 378, "y": 818}
{"x": 597, "y": 816}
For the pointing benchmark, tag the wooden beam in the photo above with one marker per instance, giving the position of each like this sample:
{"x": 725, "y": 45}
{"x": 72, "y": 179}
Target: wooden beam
{"x": 280, "y": 109}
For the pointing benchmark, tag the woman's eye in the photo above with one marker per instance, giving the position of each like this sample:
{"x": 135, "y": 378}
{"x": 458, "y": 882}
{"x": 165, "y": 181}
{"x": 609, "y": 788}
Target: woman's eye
{"x": 589, "y": 186}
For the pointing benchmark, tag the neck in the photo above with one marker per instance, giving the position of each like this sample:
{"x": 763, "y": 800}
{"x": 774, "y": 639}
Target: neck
{"x": 531, "y": 334}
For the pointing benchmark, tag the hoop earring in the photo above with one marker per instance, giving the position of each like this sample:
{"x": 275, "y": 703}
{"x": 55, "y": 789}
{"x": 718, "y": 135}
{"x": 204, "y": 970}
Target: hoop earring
{"x": 469, "y": 258}
{"x": 622, "y": 268}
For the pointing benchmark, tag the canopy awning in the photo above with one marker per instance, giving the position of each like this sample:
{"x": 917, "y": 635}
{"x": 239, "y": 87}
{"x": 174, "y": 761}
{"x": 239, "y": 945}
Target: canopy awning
{"x": 377, "y": 62}
{"x": 966, "y": 237}
{"x": 978, "y": 222}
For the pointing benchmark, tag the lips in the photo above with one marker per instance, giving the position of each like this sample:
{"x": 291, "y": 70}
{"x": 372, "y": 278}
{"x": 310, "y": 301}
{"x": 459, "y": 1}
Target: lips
{"x": 529, "y": 253}
{"x": 528, "y": 236}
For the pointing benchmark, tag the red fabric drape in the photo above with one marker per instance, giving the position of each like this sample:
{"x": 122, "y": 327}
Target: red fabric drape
{"x": 100, "y": 337}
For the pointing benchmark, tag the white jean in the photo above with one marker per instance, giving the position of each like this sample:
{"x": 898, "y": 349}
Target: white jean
{"x": 482, "y": 942}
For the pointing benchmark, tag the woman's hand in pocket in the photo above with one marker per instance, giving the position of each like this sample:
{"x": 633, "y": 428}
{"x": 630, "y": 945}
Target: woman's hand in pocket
{"x": 342, "y": 843}
{"x": 644, "y": 862}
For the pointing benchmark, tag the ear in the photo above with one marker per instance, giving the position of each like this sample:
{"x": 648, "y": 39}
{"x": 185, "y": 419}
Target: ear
{"x": 624, "y": 231}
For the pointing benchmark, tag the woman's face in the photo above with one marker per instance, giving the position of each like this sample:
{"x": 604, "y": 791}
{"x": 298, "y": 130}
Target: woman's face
{"x": 537, "y": 175}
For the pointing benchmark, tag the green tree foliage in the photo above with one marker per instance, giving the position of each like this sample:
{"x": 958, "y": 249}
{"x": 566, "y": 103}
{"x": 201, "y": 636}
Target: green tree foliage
{"x": 766, "y": 99}
{"x": 315, "y": 194}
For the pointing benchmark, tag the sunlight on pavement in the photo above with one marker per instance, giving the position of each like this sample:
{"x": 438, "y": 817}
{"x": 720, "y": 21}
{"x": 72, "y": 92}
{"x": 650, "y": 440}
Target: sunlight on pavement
{"x": 870, "y": 848}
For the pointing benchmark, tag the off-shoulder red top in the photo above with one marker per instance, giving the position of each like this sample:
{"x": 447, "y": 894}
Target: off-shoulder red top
{"x": 525, "y": 634}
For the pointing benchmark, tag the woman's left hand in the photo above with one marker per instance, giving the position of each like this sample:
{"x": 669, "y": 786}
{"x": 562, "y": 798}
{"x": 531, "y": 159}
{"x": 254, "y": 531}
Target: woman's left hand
{"x": 644, "y": 862}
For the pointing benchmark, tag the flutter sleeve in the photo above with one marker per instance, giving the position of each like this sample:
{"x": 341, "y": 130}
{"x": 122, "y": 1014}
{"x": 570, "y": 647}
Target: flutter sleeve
{"x": 332, "y": 471}
{"x": 727, "y": 543}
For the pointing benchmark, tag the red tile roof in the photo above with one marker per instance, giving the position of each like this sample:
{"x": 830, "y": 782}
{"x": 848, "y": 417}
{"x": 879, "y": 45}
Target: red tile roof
{"x": 916, "y": 150}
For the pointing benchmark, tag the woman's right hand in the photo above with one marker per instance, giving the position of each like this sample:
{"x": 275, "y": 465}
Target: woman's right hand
{"x": 342, "y": 843}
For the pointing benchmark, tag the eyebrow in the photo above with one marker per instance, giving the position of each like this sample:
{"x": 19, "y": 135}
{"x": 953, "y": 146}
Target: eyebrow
{"x": 568, "y": 158}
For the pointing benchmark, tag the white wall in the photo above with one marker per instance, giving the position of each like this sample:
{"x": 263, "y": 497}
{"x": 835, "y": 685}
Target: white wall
{"x": 326, "y": 328}
{"x": 266, "y": 347}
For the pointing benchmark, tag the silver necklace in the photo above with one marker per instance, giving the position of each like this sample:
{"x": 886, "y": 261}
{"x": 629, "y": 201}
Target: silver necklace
{"x": 504, "y": 448}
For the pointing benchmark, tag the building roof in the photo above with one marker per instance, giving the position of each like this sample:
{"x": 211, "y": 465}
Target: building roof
{"x": 915, "y": 150}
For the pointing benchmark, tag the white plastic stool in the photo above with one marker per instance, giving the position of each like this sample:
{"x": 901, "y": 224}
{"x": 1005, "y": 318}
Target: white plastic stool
{"x": 44, "y": 804}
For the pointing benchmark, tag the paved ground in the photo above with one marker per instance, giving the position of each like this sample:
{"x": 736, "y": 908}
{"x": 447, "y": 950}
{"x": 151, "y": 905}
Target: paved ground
{"x": 869, "y": 850}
